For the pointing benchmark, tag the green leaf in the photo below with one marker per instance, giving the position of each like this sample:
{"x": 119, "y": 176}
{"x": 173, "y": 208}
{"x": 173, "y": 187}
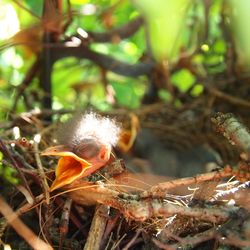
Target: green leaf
{"x": 183, "y": 79}
{"x": 197, "y": 90}
{"x": 165, "y": 21}
{"x": 220, "y": 47}
{"x": 7, "y": 172}
{"x": 164, "y": 95}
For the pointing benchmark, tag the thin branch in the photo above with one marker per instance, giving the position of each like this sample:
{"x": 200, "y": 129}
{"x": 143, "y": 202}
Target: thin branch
{"x": 161, "y": 189}
{"x": 122, "y": 32}
{"x": 26, "y": 9}
{"x": 229, "y": 98}
{"x": 26, "y": 81}
{"x": 7, "y": 154}
{"x": 107, "y": 62}
{"x": 41, "y": 172}
{"x": 21, "y": 228}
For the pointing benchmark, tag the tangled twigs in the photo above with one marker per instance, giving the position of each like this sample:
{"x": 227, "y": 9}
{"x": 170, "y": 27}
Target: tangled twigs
{"x": 140, "y": 209}
{"x": 233, "y": 130}
{"x": 213, "y": 233}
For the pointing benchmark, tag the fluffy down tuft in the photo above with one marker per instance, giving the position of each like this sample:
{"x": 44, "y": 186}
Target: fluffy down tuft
{"x": 93, "y": 126}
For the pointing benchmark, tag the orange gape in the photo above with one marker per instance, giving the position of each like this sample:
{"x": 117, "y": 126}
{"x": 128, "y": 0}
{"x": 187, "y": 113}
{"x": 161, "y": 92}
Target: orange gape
{"x": 85, "y": 146}
{"x": 71, "y": 167}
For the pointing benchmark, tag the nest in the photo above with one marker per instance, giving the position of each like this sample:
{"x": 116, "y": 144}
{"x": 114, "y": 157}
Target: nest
{"x": 165, "y": 215}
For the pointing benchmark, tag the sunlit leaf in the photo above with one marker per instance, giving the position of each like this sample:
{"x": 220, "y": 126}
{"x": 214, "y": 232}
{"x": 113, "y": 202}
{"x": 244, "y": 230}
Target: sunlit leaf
{"x": 240, "y": 19}
{"x": 165, "y": 21}
{"x": 197, "y": 90}
{"x": 183, "y": 79}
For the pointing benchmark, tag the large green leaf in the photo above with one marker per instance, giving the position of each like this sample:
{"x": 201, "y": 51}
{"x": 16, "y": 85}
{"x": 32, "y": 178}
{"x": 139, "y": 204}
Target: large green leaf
{"x": 165, "y": 21}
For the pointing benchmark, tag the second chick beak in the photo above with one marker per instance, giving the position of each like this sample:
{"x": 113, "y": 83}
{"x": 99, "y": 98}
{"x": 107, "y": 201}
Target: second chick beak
{"x": 71, "y": 167}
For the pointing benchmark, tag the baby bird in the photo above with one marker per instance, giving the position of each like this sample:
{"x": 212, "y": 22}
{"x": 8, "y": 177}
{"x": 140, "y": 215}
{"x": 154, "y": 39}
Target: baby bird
{"x": 86, "y": 143}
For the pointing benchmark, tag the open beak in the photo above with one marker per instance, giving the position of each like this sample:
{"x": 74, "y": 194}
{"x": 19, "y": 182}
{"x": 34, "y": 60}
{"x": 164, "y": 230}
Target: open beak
{"x": 69, "y": 168}
{"x": 128, "y": 136}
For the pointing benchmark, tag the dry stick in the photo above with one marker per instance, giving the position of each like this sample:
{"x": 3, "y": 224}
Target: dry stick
{"x": 132, "y": 241}
{"x": 233, "y": 130}
{"x": 212, "y": 233}
{"x": 64, "y": 221}
{"x": 140, "y": 209}
{"x": 161, "y": 189}
{"x": 231, "y": 99}
{"x": 25, "y": 208}
{"x": 21, "y": 228}
{"x": 189, "y": 241}
{"x": 145, "y": 209}
{"x": 97, "y": 228}
{"x": 42, "y": 173}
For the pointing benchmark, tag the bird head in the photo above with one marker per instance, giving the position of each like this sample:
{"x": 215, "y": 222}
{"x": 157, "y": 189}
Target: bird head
{"x": 86, "y": 145}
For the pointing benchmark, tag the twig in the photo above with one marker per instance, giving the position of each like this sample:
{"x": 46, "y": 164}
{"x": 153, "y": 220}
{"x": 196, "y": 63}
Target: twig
{"x": 107, "y": 62}
{"x": 26, "y": 81}
{"x": 231, "y": 99}
{"x": 208, "y": 235}
{"x": 195, "y": 240}
{"x": 26, "y": 9}
{"x": 131, "y": 242}
{"x": 140, "y": 209}
{"x": 122, "y": 32}
{"x": 145, "y": 209}
{"x": 41, "y": 173}
{"x": 161, "y": 189}
{"x": 97, "y": 228}
{"x": 28, "y": 206}
{"x": 64, "y": 221}
{"x": 21, "y": 228}
{"x": 7, "y": 154}
{"x": 233, "y": 130}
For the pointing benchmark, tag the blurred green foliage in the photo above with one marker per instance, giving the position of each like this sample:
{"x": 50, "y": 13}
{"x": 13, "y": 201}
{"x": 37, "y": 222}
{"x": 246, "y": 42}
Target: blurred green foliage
{"x": 173, "y": 29}
{"x": 7, "y": 172}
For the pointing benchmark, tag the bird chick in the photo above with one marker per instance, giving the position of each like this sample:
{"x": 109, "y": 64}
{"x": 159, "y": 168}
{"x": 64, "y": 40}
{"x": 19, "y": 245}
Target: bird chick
{"x": 85, "y": 146}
